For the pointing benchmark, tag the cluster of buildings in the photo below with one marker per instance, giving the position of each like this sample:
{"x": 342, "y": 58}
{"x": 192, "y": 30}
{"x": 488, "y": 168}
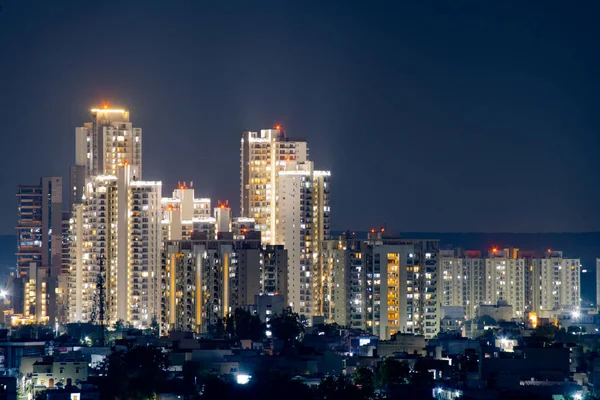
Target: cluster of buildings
{"x": 118, "y": 251}
{"x": 126, "y": 252}
{"x": 123, "y": 252}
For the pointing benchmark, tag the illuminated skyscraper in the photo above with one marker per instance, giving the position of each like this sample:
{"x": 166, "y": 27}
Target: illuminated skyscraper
{"x": 182, "y": 213}
{"x": 559, "y": 284}
{"x": 206, "y": 279}
{"x": 302, "y": 225}
{"x": 505, "y": 280}
{"x": 546, "y": 284}
{"x": 117, "y": 227}
{"x": 344, "y": 284}
{"x": 263, "y": 156}
{"x": 104, "y": 144}
{"x": 461, "y": 280}
{"x": 39, "y": 250}
{"x": 290, "y": 204}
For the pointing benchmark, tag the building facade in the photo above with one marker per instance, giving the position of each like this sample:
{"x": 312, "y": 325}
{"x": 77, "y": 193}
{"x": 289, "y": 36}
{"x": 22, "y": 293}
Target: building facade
{"x": 344, "y": 286}
{"x": 462, "y": 280}
{"x": 206, "y": 279}
{"x": 302, "y": 226}
{"x": 546, "y": 284}
{"x": 263, "y": 155}
{"x": 383, "y": 285}
{"x": 39, "y": 250}
{"x": 290, "y": 203}
{"x": 183, "y": 213}
{"x": 116, "y": 237}
{"x": 559, "y": 284}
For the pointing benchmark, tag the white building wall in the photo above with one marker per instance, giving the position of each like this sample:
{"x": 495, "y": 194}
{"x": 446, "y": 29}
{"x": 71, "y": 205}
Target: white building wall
{"x": 76, "y": 271}
{"x": 268, "y": 153}
{"x": 143, "y": 299}
{"x": 119, "y": 220}
{"x": 291, "y": 231}
{"x": 505, "y": 281}
{"x": 559, "y": 284}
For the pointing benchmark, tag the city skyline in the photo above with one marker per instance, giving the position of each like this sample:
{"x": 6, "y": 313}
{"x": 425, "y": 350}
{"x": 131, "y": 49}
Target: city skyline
{"x": 443, "y": 117}
{"x": 322, "y": 200}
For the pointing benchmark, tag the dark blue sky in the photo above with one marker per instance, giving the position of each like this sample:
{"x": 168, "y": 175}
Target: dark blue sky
{"x": 432, "y": 116}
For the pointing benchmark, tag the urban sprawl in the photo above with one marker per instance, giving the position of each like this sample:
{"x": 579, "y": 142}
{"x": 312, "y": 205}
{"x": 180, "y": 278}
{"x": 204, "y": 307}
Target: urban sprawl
{"x": 134, "y": 294}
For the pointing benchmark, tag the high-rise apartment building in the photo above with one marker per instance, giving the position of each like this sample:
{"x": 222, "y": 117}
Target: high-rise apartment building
{"x": 182, "y": 214}
{"x": 116, "y": 232}
{"x": 39, "y": 249}
{"x": 302, "y": 226}
{"x": 505, "y": 274}
{"x": 321, "y": 231}
{"x": 263, "y": 155}
{"x": 383, "y": 285}
{"x": 206, "y": 279}
{"x": 344, "y": 286}
{"x": 115, "y": 227}
{"x": 546, "y": 284}
{"x": 102, "y": 146}
{"x": 289, "y": 202}
{"x": 559, "y": 283}
{"x": 461, "y": 280}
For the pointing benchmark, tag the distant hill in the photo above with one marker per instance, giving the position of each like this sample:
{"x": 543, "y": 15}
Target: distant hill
{"x": 585, "y": 246}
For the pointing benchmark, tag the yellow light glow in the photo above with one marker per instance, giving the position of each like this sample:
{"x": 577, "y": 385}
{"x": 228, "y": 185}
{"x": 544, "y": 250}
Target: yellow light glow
{"x": 97, "y": 110}
{"x": 533, "y": 319}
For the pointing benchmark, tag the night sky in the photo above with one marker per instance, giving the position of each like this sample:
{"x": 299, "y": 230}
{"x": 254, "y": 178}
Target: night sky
{"x": 444, "y": 116}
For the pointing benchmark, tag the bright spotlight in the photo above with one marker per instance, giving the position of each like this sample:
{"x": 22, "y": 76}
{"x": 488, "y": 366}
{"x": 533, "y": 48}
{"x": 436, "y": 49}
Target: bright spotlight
{"x": 242, "y": 379}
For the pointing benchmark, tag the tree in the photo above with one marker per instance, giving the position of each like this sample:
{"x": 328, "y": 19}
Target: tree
{"x": 421, "y": 375}
{"x": 562, "y": 336}
{"x": 246, "y": 326}
{"x": 155, "y": 327}
{"x": 364, "y": 378}
{"x": 330, "y": 329}
{"x": 136, "y": 374}
{"x": 287, "y": 326}
{"x": 217, "y": 330}
{"x": 193, "y": 372}
{"x": 119, "y": 325}
{"x": 546, "y": 331}
{"x": 393, "y": 372}
{"x": 40, "y": 395}
{"x": 341, "y": 388}
{"x": 487, "y": 335}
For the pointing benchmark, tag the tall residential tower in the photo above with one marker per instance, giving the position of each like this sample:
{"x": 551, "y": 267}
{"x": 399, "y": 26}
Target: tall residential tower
{"x": 39, "y": 250}
{"x": 104, "y": 144}
{"x": 289, "y": 201}
{"x": 115, "y": 226}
